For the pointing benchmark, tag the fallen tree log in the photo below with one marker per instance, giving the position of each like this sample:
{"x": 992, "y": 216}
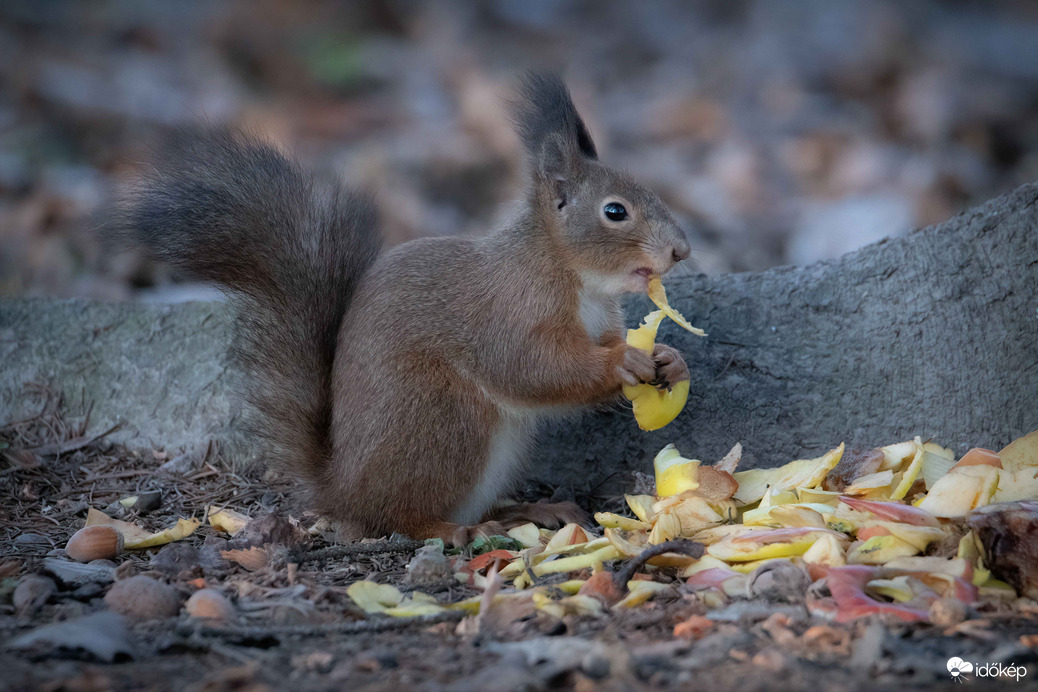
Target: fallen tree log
{"x": 932, "y": 334}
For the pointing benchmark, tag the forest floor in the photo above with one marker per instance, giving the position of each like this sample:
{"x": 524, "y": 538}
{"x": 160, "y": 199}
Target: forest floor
{"x": 295, "y": 626}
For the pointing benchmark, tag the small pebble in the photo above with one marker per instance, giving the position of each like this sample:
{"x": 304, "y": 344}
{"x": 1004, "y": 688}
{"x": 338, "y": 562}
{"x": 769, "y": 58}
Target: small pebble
{"x": 595, "y": 665}
{"x": 428, "y": 566}
{"x": 209, "y": 604}
{"x": 770, "y": 659}
{"x": 947, "y": 612}
{"x": 31, "y": 593}
{"x": 88, "y": 591}
{"x": 143, "y": 598}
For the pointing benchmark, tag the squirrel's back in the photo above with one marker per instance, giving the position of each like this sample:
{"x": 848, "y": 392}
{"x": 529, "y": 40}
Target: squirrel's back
{"x": 289, "y": 249}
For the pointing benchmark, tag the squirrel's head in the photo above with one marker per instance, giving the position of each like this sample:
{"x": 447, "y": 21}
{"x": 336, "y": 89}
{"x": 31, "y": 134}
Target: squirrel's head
{"x": 616, "y": 232}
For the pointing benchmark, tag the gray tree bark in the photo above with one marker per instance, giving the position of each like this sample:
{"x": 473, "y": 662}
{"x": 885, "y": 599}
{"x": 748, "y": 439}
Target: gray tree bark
{"x": 932, "y": 334}
{"x": 160, "y": 371}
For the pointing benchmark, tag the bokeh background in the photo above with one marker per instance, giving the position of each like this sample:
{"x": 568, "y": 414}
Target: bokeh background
{"x": 778, "y": 132}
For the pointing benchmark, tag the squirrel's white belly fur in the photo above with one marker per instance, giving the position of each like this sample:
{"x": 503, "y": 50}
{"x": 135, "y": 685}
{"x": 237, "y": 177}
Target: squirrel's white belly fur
{"x": 597, "y": 308}
{"x": 509, "y": 444}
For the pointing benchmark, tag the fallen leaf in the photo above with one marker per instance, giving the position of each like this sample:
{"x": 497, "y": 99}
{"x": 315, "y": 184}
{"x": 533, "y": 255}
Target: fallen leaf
{"x": 372, "y": 597}
{"x": 227, "y": 520}
{"x": 387, "y": 599}
{"x": 10, "y": 567}
{"x": 102, "y": 635}
{"x": 486, "y": 560}
{"x": 22, "y": 459}
{"x": 135, "y": 537}
{"x": 695, "y": 627}
{"x": 252, "y": 559}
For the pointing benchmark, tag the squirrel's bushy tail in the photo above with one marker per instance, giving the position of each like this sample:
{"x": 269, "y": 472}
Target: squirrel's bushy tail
{"x": 289, "y": 250}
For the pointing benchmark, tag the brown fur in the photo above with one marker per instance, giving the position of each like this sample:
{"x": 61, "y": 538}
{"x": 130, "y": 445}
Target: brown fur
{"x": 451, "y": 350}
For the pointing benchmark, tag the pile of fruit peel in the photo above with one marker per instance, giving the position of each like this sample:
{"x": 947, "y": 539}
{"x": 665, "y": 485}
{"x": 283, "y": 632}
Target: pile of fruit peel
{"x": 885, "y": 530}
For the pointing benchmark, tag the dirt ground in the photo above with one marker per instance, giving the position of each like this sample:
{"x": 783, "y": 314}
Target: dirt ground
{"x": 296, "y": 628}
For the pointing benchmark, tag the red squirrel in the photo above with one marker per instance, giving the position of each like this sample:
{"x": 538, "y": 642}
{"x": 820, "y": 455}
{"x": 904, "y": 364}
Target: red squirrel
{"x": 405, "y": 387}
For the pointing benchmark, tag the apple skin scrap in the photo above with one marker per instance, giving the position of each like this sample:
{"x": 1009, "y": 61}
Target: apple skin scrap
{"x": 658, "y": 295}
{"x": 654, "y": 408}
{"x": 808, "y": 473}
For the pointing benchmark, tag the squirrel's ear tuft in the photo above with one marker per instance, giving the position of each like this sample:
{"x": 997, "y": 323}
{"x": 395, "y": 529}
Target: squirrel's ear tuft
{"x": 543, "y": 111}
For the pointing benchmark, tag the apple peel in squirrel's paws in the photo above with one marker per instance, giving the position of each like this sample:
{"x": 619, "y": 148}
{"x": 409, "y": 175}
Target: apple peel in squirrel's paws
{"x": 655, "y": 408}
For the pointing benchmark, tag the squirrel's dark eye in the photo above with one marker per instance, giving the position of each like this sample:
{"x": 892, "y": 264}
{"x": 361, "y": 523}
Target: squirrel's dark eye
{"x": 615, "y": 211}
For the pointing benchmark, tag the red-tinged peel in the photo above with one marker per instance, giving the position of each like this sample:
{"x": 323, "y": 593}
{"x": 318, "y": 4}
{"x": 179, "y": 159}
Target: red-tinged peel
{"x": 783, "y": 535}
{"x": 931, "y": 564}
{"x": 979, "y": 457}
{"x": 892, "y": 511}
{"x": 870, "y": 531}
{"x": 847, "y": 585}
{"x": 950, "y": 587}
{"x": 484, "y": 561}
{"x": 715, "y": 577}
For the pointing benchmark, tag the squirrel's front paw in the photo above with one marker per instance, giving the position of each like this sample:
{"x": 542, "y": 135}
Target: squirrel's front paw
{"x": 637, "y": 367}
{"x": 670, "y": 366}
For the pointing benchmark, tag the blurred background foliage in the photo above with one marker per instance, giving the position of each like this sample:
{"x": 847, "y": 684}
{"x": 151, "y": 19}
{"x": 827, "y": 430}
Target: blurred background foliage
{"x": 779, "y": 132}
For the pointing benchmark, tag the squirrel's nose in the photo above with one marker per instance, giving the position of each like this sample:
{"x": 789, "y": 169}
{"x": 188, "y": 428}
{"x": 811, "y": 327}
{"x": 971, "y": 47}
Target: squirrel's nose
{"x": 680, "y": 251}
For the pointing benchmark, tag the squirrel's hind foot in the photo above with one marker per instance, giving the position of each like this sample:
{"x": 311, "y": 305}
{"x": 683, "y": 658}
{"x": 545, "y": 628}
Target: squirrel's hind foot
{"x": 550, "y": 515}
